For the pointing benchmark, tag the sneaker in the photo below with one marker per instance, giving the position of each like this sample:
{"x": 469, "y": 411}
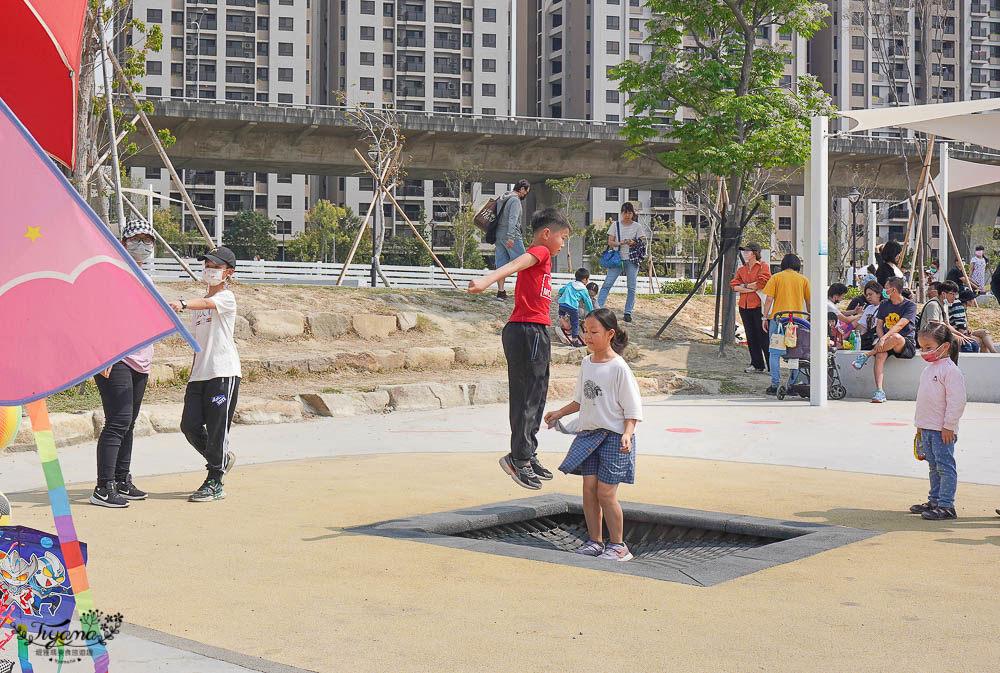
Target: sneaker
{"x": 590, "y": 548}
{"x": 502, "y": 295}
{"x": 522, "y": 475}
{"x": 878, "y": 397}
{"x": 925, "y": 507}
{"x": 997, "y": 511}
{"x": 939, "y": 513}
{"x": 628, "y": 317}
{"x": 616, "y": 552}
{"x": 127, "y": 489}
{"x": 108, "y": 497}
{"x": 210, "y": 490}
{"x": 540, "y": 471}
{"x": 752, "y": 370}
{"x": 771, "y": 390}
{"x": 859, "y": 362}
{"x": 229, "y": 463}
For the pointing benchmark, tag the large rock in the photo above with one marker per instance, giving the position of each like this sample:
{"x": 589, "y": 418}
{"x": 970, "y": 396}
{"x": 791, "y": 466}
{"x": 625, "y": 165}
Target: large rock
{"x": 328, "y": 325}
{"x": 451, "y": 394}
{"x": 648, "y": 385}
{"x": 561, "y": 389}
{"x": 389, "y": 360}
{"x": 256, "y": 411}
{"x": 479, "y": 356}
{"x": 161, "y": 373}
{"x": 363, "y": 360}
{"x": 298, "y": 365}
{"x": 406, "y": 320}
{"x": 429, "y": 357}
{"x": 143, "y": 424}
{"x": 372, "y": 326}
{"x": 631, "y": 353}
{"x": 164, "y": 417}
{"x": 341, "y": 405}
{"x": 277, "y": 324}
{"x": 320, "y": 364}
{"x": 489, "y": 392}
{"x": 411, "y": 397}
{"x": 241, "y": 328}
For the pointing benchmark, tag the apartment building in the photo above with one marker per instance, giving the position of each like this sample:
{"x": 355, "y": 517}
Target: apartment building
{"x": 449, "y": 56}
{"x": 565, "y": 52}
{"x": 231, "y": 50}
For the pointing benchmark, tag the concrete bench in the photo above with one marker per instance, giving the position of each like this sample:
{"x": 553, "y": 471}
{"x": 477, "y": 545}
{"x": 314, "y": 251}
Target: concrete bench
{"x": 982, "y": 376}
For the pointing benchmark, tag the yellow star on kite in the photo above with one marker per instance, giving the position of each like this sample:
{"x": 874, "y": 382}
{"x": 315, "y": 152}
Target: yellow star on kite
{"x": 33, "y": 233}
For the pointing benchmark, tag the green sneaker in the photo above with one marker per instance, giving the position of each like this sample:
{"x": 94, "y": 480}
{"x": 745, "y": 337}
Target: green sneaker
{"x": 210, "y": 490}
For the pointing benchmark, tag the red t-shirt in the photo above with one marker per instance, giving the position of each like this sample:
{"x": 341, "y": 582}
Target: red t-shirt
{"x": 533, "y": 291}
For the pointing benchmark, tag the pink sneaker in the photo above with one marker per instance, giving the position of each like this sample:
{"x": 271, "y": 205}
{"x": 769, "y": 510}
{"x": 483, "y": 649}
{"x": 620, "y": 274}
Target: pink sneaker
{"x": 616, "y": 552}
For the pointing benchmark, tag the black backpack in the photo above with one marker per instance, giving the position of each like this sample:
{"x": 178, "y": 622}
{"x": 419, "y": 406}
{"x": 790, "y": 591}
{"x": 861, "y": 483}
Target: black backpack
{"x": 491, "y": 232}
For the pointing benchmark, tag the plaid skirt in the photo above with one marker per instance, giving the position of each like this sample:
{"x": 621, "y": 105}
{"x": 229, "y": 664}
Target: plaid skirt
{"x": 599, "y": 452}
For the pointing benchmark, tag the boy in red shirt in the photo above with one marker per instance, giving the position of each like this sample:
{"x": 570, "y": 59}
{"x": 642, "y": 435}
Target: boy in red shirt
{"x": 526, "y": 343}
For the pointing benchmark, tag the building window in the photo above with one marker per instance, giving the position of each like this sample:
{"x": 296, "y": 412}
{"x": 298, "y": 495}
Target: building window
{"x": 263, "y": 23}
{"x": 490, "y": 111}
{"x": 286, "y": 49}
{"x": 177, "y": 18}
{"x": 367, "y": 32}
{"x": 784, "y": 223}
{"x": 634, "y": 49}
{"x": 387, "y": 35}
{"x": 611, "y": 96}
{"x": 489, "y": 39}
{"x": 154, "y": 91}
{"x": 611, "y": 118}
{"x": 857, "y": 42}
{"x": 387, "y": 60}
{"x": 177, "y": 43}
{"x": 154, "y": 173}
{"x": 367, "y": 83}
{"x": 286, "y": 23}
{"x": 556, "y": 89}
{"x": 367, "y": 58}
{"x": 466, "y": 88}
{"x": 611, "y": 194}
{"x": 634, "y": 25}
{"x": 262, "y": 74}
{"x": 557, "y": 20}
{"x": 154, "y": 67}
{"x": 490, "y": 90}
{"x": 368, "y": 7}
{"x": 387, "y": 8}
{"x": 154, "y": 16}
{"x": 285, "y": 98}
{"x": 387, "y": 85}
{"x": 176, "y": 68}
{"x": 857, "y": 89}
{"x": 857, "y": 66}
{"x": 262, "y": 48}
{"x": 280, "y": 2}
{"x": 467, "y": 40}
{"x": 613, "y": 47}
{"x": 613, "y": 23}
{"x": 284, "y": 202}
{"x": 489, "y": 65}
{"x": 285, "y": 75}
{"x": 490, "y": 15}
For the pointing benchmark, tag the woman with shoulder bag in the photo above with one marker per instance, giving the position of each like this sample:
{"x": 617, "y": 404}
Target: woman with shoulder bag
{"x": 625, "y": 238}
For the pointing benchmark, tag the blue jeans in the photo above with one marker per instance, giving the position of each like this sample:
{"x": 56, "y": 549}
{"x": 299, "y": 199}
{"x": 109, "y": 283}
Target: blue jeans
{"x": 573, "y": 315}
{"x": 774, "y": 359}
{"x": 503, "y": 255}
{"x": 632, "y": 277}
{"x": 941, "y": 468}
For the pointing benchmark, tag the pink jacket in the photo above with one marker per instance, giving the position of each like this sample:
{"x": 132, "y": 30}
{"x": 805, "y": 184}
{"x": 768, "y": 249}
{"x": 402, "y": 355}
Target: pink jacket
{"x": 940, "y": 397}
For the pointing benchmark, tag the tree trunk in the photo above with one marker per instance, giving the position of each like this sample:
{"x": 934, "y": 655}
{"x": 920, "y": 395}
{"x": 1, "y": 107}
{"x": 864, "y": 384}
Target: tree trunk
{"x": 84, "y": 112}
{"x": 729, "y": 240}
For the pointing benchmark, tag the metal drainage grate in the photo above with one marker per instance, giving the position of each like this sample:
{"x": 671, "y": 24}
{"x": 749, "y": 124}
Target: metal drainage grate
{"x": 668, "y": 543}
{"x": 661, "y": 545}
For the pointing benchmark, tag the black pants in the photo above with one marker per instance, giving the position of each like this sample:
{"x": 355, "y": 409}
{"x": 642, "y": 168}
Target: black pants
{"x": 121, "y": 396}
{"x": 528, "y": 350}
{"x": 208, "y": 414}
{"x": 757, "y": 340}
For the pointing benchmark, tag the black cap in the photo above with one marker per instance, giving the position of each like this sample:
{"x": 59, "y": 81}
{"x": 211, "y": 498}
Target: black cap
{"x": 752, "y": 247}
{"x": 220, "y": 256}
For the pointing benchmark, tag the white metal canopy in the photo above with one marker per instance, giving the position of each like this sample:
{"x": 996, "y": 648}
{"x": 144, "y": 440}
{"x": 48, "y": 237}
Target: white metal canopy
{"x": 962, "y": 121}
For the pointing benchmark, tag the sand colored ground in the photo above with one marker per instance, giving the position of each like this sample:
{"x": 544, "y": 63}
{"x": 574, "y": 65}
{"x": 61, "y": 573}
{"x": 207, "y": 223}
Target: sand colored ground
{"x": 271, "y": 571}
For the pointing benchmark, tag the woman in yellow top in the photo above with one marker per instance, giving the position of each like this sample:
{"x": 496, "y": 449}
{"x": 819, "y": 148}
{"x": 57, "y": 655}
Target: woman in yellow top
{"x": 787, "y": 290}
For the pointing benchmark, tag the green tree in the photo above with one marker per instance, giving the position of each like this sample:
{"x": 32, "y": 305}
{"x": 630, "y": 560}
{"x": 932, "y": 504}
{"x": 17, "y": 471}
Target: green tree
{"x": 712, "y": 90}
{"x": 328, "y": 236}
{"x": 168, "y": 225}
{"x": 251, "y": 233}
{"x": 465, "y": 253}
{"x": 566, "y": 188}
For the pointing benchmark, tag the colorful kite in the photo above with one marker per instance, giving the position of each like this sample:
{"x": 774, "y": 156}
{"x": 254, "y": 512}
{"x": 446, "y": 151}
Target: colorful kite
{"x": 74, "y": 302}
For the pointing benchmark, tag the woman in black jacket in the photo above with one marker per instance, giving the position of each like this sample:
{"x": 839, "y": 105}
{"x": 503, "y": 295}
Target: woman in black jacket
{"x": 892, "y": 257}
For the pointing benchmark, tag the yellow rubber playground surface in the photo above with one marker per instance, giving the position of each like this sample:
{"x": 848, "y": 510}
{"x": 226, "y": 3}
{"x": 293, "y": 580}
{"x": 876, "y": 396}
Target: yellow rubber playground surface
{"x": 271, "y": 572}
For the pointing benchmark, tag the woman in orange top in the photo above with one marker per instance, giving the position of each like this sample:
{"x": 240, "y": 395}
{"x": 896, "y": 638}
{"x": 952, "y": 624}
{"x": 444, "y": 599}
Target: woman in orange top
{"x": 749, "y": 279}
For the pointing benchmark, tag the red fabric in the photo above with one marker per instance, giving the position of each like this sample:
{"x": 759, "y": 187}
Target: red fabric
{"x": 757, "y": 274}
{"x": 35, "y": 80}
{"x": 533, "y": 292}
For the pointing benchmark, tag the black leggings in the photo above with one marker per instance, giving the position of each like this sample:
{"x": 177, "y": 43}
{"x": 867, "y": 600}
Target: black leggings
{"x": 121, "y": 396}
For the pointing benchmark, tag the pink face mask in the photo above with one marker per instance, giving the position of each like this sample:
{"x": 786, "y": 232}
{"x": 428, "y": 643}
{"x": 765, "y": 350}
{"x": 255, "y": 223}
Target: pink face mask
{"x": 934, "y": 355}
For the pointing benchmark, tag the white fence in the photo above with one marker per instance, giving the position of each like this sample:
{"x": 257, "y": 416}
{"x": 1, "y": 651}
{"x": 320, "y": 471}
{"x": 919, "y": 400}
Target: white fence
{"x": 358, "y": 275}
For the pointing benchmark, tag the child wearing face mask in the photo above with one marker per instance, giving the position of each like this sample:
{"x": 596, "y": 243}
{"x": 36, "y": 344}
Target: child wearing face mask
{"x": 978, "y": 273}
{"x": 940, "y": 402}
{"x": 122, "y": 386}
{"x": 213, "y": 388}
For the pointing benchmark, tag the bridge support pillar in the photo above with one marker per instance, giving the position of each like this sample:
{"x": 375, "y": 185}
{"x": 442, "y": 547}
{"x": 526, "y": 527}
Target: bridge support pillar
{"x": 543, "y": 196}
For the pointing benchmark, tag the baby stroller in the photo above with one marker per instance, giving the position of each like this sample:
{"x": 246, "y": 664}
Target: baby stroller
{"x": 798, "y": 357}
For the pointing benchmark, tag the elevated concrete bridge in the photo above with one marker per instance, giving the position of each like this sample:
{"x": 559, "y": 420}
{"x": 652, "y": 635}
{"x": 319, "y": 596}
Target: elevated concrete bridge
{"x": 318, "y": 140}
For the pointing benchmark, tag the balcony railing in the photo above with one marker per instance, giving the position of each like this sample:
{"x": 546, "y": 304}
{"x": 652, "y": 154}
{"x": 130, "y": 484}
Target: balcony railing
{"x": 446, "y": 44}
{"x": 240, "y": 25}
{"x": 410, "y": 190}
{"x": 409, "y": 66}
{"x": 979, "y": 8}
{"x": 445, "y": 92}
{"x": 239, "y": 180}
{"x": 979, "y": 31}
{"x": 403, "y": 41}
{"x": 447, "y": 68}
{"x": 978, "y": 54}
{"x": 447, "y": 17}
{"x": 411, "y": 15}
{"x": 980, "y": 78}
{"x": 411, "y": 92}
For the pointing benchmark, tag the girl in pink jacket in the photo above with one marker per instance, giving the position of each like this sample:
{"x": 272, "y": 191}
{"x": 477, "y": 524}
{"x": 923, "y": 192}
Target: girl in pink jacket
{"x": 940, "y": 403}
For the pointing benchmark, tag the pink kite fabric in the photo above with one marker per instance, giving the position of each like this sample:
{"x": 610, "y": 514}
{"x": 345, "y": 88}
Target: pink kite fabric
{"x": 72, "y": 300}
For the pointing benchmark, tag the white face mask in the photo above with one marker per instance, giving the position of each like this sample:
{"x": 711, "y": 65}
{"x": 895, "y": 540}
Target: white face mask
{"x": 140, "y": 250}
{"x": 213, "y": 276}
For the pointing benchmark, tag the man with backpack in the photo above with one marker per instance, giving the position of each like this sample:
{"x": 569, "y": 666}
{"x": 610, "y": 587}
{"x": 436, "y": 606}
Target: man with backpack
{"x": 509, "y": 242}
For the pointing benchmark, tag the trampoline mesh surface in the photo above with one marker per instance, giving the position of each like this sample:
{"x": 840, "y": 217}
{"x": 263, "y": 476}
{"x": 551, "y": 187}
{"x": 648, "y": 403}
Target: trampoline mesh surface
{"x": 651, "y": 544}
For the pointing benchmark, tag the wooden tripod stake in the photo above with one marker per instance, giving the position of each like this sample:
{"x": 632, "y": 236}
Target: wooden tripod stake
{"x": 924, "y": 175}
